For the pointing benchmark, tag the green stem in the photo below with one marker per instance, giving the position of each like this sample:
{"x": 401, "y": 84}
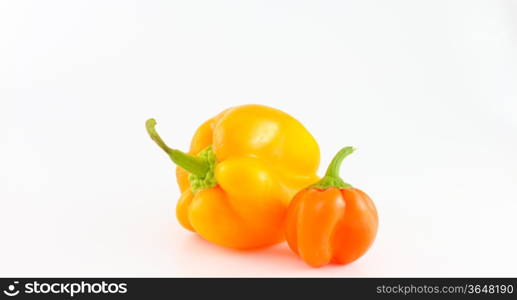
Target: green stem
{"x": 331, "y": 178}
{"x": 192, "y": 164}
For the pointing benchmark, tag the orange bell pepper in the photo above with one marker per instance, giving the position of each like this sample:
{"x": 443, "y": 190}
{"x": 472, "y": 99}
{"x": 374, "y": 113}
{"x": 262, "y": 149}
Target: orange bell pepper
{"x": 331, "y": 221}
{"x": 242, "y": 170}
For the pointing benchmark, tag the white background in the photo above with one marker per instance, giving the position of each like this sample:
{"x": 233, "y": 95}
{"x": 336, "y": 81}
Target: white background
{"x": 427, "y": 91}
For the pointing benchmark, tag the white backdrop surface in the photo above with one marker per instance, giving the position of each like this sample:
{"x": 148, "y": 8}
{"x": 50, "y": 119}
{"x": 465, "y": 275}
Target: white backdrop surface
{"x": 426, "y": 90}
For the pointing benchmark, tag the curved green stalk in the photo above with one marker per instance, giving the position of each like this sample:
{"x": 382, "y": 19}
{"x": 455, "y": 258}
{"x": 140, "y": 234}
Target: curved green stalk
{"x": 200, "y": 167}
{"x": 332, "y": 178}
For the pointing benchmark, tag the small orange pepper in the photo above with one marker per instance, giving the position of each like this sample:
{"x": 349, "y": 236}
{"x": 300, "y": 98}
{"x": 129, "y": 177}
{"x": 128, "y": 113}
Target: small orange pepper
{"x": 330, "y": 221}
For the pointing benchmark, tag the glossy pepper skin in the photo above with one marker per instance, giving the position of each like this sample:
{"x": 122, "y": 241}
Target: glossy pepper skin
{"x": 242, "y": 170}
{"x": 330, "y": 221}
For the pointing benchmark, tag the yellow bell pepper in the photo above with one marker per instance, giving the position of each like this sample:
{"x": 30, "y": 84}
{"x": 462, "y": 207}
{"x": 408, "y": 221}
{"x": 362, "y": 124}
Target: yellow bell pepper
{"x": 243, "y": 168}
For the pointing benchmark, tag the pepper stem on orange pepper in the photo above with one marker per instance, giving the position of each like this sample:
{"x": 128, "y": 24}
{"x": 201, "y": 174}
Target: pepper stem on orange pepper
{"x": 332, "y": 178}
{"x": 192, "y": 164}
